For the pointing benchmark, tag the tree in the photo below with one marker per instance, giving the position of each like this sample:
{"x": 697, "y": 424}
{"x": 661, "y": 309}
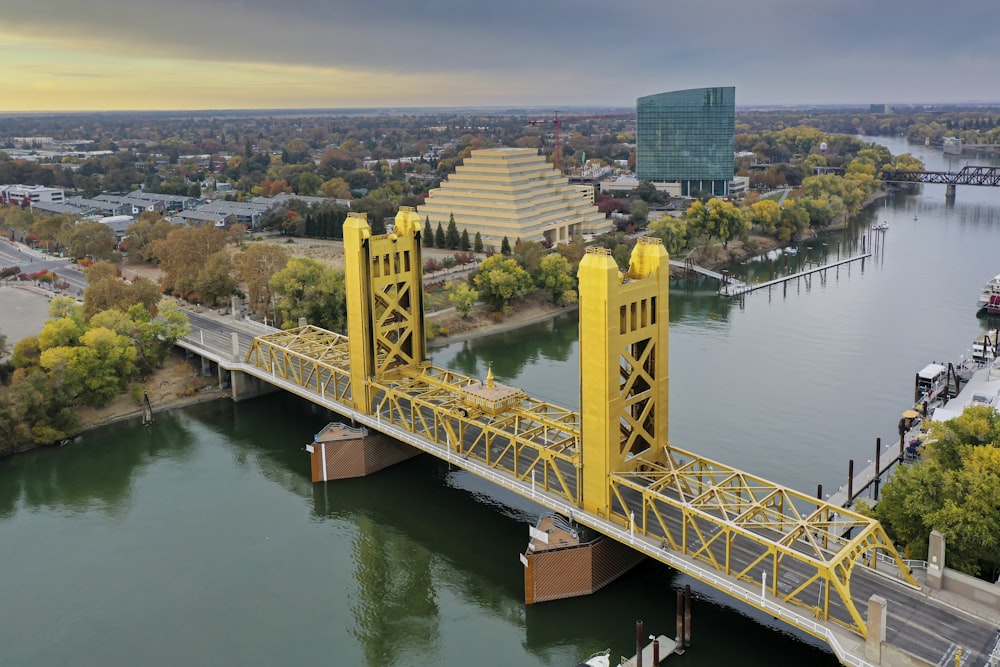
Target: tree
{"x": 306, "y": 288}
{"x": 505, "y": 247}
{"x": 254, "y": 268}
{"x": 184, "y": 252}
{"x": 439, "y": 237}
{"x": 452, "y": 237}
{"x": 672, "y": 231}
{"x": 529, "y": 255}
{"x": 142, "y": 234}
{"x": 215, "y": 280}
{"x": 90, "y": 239}
{"x": 477, "y": 245}
{"x": 336, "y": 188}
{"x": 954, "y": 490}
{"x": 464, "y": 243}
{"x": 428, "y": 235}
{"x": 500, "y": 282}
{"x": 765, "y": 214}
{"x": 639, "y": 213}
{"x": 463, "y": 298}
{"x": 555, "y": 277}
{"x": 309, "y": 184}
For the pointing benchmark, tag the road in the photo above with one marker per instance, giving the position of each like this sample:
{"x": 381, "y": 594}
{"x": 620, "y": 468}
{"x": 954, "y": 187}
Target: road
{"x": 32, "y": 261}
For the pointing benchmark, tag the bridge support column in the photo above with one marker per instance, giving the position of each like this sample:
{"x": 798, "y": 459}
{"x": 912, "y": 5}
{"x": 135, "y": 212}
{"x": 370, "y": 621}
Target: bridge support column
{"x": 245, "y": 387}
{"x": 340, "y": 452}
{"x": 876, "y": 629}
{"x": 935, "y": 559}
{"x": 949, "y": 191}
{"x": 565, "y": 561}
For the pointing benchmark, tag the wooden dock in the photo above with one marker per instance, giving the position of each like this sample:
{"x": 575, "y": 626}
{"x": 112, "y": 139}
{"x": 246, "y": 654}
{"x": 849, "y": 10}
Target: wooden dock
{"x": 875, "y": 471}
{"x": 666, "y": 648}
{"x": 729, "y": 286}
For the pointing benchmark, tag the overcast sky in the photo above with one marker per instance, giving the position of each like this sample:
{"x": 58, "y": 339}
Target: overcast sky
{"x": 198, "y": 54}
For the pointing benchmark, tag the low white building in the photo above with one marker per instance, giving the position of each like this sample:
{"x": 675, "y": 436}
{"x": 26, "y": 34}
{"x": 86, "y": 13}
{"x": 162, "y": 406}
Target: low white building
{"x": 34, "y": 194}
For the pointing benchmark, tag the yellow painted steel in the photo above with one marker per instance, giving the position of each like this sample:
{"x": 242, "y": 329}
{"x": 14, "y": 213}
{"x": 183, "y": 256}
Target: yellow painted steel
{"x": 623, "y": 364}
{"x": 384, "y": 283}
{"x": 613, "y": 459}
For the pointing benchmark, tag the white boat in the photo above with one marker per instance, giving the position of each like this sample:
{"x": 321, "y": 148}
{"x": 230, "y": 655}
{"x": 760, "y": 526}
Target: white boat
{"x": 952, "y": 146}
{"x": 601, "y": 659}
{"x": 882, "y": 226}
{"x": 991, "y": 288}
{"x": 985, "y": 347}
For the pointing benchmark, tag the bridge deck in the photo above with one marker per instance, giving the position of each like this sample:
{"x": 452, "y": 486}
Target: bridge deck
{"x": 718, "y": 524}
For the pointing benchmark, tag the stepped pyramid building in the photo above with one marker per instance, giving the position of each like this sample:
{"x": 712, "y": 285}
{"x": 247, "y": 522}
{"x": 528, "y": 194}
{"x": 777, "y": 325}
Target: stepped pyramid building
{"x": 513, "y": 192}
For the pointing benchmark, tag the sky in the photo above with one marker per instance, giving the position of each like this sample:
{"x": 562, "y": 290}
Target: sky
{"x": 75, "y": 55}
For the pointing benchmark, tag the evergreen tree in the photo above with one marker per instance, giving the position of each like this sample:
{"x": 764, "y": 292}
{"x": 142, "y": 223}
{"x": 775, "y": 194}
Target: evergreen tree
{"x": 505, "y": 247}
{"x": 477, "y": 245}
{"x": 428, "y": 233}
{"x": 452, "y": 237}
{"x": 439, "y": 239}
{"x": 310, "y": 226}
{"x": 464, "y": 244}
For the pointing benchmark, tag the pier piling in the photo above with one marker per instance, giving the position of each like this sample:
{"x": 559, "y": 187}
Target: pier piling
{"x": 680, "y": 620}
{"x": 640, "y": 637}
{"x": 850, "y": 481}
{"x": 687, "y": 615}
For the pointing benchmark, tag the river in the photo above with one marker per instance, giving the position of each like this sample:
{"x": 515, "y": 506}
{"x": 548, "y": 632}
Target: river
{"x": 201, "y": 540}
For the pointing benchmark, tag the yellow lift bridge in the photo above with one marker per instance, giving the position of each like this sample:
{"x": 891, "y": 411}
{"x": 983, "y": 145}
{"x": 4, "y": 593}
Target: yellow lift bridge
{"x": 613, "y": 459}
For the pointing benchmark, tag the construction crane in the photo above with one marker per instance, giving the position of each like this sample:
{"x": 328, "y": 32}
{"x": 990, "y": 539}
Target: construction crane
{"x": 557, "y": 122}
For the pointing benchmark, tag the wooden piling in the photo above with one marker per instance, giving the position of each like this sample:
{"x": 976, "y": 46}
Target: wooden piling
{"x": 687, "y": 615}
{"x": 680, "y": 620}
{"x": 640, "y": 637}
{"x": 850, "y": 481}
{"x": 878, "y": 466}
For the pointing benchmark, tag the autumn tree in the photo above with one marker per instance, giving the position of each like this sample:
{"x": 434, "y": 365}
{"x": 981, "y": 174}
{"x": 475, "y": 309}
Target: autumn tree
{"x": 184, "y": 252}
{"x": 554, "y": 276}
{"x": 215, "y": 279}
{"x": 501, "y": 282}
{"x": 142, "y": 234}
{"x": 673, "y": 232}
{"x": 90, "y": 239}
{"x": 463, "y": 298}
{"x": 254, "y": 268}
{"x": 306, "y": 288}
{"x": 954, "y": 490}
{"x": 529, "y": 255}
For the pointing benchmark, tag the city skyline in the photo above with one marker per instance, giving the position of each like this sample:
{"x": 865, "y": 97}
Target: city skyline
{"x": 222, "y": 54}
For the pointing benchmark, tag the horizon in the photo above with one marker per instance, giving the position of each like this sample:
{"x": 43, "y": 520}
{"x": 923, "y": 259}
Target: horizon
{"x": 510, "y": 109}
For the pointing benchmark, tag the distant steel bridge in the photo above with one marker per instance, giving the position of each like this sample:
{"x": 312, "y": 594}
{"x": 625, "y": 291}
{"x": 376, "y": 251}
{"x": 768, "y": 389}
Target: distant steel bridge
{"x": 988, "y": 176}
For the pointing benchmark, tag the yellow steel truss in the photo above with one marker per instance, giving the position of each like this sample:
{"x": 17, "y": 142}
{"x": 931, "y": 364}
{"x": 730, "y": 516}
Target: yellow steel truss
{"x": 311, "y": 357}
{"x": 745, "y": 526}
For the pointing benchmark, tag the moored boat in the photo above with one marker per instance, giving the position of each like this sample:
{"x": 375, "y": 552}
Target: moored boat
{"x": 991, "y": 288}
{"x": 993, "y": 305}
{"x": 985, "y": 347}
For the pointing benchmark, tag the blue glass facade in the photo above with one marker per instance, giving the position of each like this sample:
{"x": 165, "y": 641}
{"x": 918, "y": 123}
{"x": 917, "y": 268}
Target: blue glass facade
{"x": 687, "y": 136}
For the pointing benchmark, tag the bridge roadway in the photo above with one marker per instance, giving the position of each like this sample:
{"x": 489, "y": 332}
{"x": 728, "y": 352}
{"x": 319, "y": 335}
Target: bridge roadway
{"x": 531, "y": 453}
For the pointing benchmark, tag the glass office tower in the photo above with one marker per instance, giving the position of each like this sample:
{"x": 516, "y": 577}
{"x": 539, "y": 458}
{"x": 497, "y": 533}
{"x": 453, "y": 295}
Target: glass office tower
{"x": 686, "y": 136}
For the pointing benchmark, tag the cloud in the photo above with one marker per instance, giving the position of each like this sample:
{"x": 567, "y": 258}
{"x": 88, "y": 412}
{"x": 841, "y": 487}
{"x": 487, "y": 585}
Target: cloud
{"x": 548, "y": 51}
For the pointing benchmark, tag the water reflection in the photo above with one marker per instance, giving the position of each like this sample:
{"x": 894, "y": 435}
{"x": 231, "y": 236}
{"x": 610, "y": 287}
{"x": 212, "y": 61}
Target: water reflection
{"x": 553, "y": 340}
{"x": 86, "y": 476}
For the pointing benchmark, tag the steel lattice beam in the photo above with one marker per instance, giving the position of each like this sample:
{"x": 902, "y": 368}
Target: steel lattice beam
{"x": 986, "y": 176}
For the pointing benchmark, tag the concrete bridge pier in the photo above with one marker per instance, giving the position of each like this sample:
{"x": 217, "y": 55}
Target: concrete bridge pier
{"x": 949, "y": 192}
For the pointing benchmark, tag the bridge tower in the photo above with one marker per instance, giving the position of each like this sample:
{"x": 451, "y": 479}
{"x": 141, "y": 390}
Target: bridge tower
{"x": 624, "y": 350}
{"x": 383, "y": 276}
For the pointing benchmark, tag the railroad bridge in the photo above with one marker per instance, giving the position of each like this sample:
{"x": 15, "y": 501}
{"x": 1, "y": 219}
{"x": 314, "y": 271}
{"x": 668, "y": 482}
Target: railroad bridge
{"x": 968, "y": 175}
{"x": 610, "y": 467}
